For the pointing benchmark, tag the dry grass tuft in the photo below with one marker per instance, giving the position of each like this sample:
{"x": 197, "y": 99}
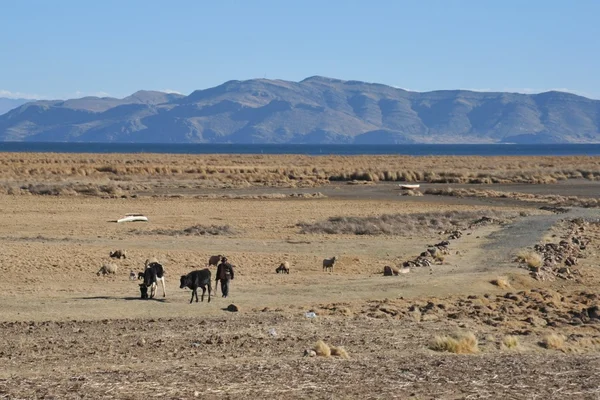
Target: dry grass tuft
{"x": 510, "y": 342}
{"x": 458, "y": 343}
{"x": 322, "y": 349}
{"x": 501, "y": 282}
{"x": 340, "y": 352}
{"x": 531, "y": 258}
{"x": 415, "y": 315}
{"x": 553, "y": 341}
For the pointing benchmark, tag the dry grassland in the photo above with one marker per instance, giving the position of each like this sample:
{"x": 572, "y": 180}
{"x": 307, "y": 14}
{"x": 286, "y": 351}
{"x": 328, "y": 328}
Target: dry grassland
{"x": 119, "y": 174}
{"x": 472, "y": 325}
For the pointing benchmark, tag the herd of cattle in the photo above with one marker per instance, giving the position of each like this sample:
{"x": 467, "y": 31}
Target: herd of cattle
{"x": 154, "y": 273}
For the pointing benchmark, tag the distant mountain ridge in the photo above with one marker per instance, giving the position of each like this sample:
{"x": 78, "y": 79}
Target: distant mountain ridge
{"x": 8, "y": 104}
{"x": 316, "y": 110}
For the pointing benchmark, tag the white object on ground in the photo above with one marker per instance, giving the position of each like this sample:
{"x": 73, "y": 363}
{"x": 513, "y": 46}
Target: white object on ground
{"x": 133, "y": 218}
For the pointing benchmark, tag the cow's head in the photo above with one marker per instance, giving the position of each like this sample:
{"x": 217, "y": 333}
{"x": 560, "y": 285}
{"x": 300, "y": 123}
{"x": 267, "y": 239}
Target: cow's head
{"x": 183, "y": 281}
{"x": 143, "y": 291}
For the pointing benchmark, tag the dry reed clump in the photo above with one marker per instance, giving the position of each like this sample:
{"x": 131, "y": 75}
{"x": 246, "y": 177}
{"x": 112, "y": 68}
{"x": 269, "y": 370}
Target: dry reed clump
{"x": 72, "y": 189}
{"x": 510, "y": 342}
{"x": 556, "y": 200}
{"x": 196, "y": 230}
{"x": 458, "y": 343}
{"x": 531, "y": 258}
{"x": 553, "y": 341}
{"x": 324, "y": 350}
{"x": 501, "y": 282}
{"x": 315, "y": 195}
{"x": 395, "y": 224}
{"x": 339, "y": 351}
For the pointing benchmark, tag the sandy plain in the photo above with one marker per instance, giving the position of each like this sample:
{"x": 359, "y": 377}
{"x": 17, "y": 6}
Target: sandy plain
{"x": 67, "y": 333}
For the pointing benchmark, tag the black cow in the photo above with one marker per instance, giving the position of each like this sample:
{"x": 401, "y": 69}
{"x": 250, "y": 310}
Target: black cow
{"x": 196, "y": 279}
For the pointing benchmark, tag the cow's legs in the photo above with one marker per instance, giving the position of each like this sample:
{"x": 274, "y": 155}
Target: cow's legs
{"x": 162, "y": 281}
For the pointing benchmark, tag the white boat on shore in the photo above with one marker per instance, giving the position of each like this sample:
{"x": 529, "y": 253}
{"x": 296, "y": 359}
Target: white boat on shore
{"x": 133, "y": 218}
{"x": 409, "y": 187}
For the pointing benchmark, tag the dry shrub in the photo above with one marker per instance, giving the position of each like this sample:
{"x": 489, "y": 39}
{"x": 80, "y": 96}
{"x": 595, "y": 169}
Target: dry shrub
{"x": 553, "y": 341}
{"x": 196, "y": 230}
{"x": 322, "y": 349}
{"x": 556, "y": 200}
{"x": 458, "y": 343}
{"x": 531, "y": 258}
{"x": 415, "y": 315}
{"x": 398, "y": 224}
{"x": 339, "y": 351}
{"x": 510, "y": 342}
{"x": 501, "y": 282}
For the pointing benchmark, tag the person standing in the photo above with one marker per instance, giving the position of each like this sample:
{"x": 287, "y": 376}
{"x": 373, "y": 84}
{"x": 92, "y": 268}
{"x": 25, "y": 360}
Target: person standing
{"x": 224, "y": 274}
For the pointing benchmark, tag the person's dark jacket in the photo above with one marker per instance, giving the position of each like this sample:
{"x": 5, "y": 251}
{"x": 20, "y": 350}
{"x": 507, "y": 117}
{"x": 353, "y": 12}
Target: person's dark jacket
{"x": 224, "y": 271}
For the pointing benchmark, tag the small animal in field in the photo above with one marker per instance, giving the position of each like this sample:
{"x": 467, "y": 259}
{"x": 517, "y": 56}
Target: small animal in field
{"x": 389, "y": 271}
{"x": 106, "y": 269}
{"x": 132, "y": 275}
{"x": 284, "y": 268}
{"x": 214, "y": 260}
{"x": 328, "y": 263}
{"x": 197, "y": 279}
{"x": 118, "y": 254}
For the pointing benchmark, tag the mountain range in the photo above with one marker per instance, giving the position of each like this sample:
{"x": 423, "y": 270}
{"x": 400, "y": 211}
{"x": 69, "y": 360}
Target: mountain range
{"x": 8, "y": 104}
{"x": 316, "y": 110}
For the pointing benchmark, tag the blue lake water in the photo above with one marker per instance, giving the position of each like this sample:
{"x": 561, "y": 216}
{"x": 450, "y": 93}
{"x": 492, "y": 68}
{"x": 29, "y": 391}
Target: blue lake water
{"x": 309, "y": 149}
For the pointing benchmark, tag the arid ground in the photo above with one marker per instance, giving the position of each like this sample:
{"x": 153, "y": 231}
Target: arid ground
{"x": 472, "y": 323}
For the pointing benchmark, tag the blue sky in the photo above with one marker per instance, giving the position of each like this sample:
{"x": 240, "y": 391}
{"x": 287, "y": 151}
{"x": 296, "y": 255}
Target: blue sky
{"x": 72, "y": 48}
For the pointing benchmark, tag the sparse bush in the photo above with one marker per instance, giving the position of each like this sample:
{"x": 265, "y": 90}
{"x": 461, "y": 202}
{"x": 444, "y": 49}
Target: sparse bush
{"x": 510, "y": 342}
{"x": 501, "y": 282}
{"x": 396, "y": 224}
{"x": 531, "y": 258}
{"x": 339, "y": 351}
{"x": 553, "y": 341}
{"x": 322, "y": 349}
{"x": 196, "y": 230}
{"x": 459, "y": 343}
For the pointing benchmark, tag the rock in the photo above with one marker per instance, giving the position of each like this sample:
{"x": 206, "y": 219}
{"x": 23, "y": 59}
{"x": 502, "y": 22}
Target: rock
{"x": 232, "y": 308}
{"x": 537, "y": 321}
{"x": 309, "y": 353}
{"x": 594, "y": 312}
{"x": 429, "y": 317}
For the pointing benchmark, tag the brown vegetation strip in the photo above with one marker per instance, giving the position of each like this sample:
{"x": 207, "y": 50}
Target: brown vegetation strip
{"x": 135, "y": 172}
{"x": 196, "y": 230}
{"x": 399, "y": 224}
{"x": 556, "y": 200}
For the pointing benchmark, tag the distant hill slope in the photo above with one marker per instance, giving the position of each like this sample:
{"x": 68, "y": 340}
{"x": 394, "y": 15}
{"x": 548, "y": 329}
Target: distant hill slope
{"x": 8, "y": 104}
{"x": 315, "y": 110}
